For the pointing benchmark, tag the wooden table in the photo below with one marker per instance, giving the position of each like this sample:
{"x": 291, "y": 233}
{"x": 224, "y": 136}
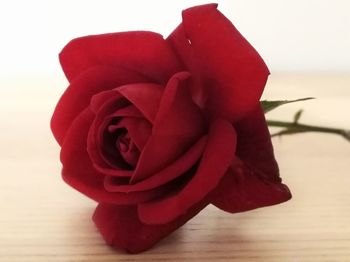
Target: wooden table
{"x": 42, "y": 219}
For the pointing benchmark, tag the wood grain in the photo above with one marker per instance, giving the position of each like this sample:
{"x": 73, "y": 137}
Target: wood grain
{"x": 42, "y": 219}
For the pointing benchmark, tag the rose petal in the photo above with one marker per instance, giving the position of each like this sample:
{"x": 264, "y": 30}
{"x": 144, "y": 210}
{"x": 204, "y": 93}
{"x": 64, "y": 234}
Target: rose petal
{"x": 121, "y": 227}
{"x": 80, "y": 174}
{"x": 78, "y": 95}
{"x": 143, "y": 52}
{"x": 128, "y": 111}
{"x": 216, "y": 159}
{"x": 254, "y": 144}
{"x": 110, "y": 100}
{"x": 181, "y": 45}
{"x": 145, "y": 97}
{"x": 226, "y": 65}
{"x": 255, "y": 182}
{"x": 178, "y": 125}
{"x": 176, "y": 169}
{"x": 242, "y": 189}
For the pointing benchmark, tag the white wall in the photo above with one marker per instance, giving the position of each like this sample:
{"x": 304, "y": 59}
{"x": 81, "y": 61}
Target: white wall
{"x": 298, "y": 35}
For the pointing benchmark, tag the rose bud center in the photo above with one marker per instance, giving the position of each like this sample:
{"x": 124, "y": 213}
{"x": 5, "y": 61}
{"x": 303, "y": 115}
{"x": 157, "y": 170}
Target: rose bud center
{"x": 125, "y": 145}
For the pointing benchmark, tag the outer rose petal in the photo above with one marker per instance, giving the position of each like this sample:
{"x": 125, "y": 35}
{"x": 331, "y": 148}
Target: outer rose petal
{"x": 143, "y": 52}
{"x": 255, "y": 181}
{"x": 242, "y": 189}
{"x": 78, "y": 95}
{"x": 178, "y": 125}
{"x": 79, "y": 173}
{"x": 216, "y": 159}
{"x": 121, "y": 227}
{"x": 226, "y": 65}
{"x": 254, "y": 144}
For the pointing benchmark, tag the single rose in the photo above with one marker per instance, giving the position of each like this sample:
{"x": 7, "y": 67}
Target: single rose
{"x": 156, "y": 129}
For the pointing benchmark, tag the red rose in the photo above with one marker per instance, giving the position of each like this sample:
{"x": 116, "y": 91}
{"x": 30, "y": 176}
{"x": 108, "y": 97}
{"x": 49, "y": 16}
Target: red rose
{"x": 154, "y": 130}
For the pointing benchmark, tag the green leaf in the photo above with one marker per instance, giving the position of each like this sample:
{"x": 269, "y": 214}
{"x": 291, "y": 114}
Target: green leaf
{"x": 268, "y": 105}
{"x": 297, "y": 115}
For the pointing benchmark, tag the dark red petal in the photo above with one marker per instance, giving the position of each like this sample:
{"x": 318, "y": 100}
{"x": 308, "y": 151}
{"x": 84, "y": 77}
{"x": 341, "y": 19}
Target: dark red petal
{"x": 78, "y": 95}
{"x": 216, "y": 159}
{"x": 145, "y": 97}
{"x": 121, "y": 227}
{"x": 178, "y": 125}
{"x": 79, "y": 173}
{"x": 176, "y": 169}
{"x": 180, "y": 43}
{"x": 110, "y": 98}
{"x": 255, "y": 182}
{"x": 143, "y": 52}
{"x": 226, "y": 65}
{"x": 77, "y": 169}
{"x": 128, "y": 111}
{"x": 254, "y": 146}
{"x": 243, "y": 189}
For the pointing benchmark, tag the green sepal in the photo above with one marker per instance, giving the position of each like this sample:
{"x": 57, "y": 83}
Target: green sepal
{"x": 268, "y": 105}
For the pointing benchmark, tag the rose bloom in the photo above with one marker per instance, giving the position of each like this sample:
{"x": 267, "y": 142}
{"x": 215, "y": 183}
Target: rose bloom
{"x": 156, "y": 129}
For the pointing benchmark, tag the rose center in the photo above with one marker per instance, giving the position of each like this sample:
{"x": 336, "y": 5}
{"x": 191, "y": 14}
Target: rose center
{"x": 123, "y": 143}
{"x": 125, "y": 146}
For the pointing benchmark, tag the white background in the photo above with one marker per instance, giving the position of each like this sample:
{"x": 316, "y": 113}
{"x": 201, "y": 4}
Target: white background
{"x": 292, "y": 36}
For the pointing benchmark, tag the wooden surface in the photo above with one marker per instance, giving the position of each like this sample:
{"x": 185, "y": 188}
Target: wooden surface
{"x": 43, "y": 219}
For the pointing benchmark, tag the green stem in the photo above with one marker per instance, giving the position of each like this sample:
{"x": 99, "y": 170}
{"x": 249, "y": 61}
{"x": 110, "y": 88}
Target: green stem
{"x": 295, "y": 127}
